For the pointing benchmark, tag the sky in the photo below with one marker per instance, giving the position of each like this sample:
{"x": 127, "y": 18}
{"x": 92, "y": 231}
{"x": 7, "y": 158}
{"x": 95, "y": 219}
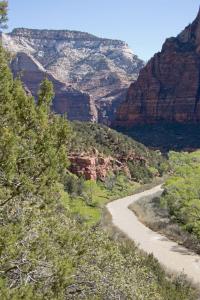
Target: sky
{"x": 143, "y": 24}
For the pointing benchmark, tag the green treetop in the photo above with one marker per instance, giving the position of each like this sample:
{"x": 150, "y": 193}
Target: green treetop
{"x": 33, "y": 141}
{"x": 3, "y": 14}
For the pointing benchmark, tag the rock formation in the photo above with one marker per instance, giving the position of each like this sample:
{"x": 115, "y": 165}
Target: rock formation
{"x": 77, "y": 105}
{"x": 96, "y": 166}
{"x": 168, "y": 87}
{"x": 101, "y": 69}
{"x": 90, "y": 167}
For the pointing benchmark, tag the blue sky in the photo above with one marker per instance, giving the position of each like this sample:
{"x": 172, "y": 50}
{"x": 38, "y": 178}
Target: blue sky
{"x": 143, "y": 24}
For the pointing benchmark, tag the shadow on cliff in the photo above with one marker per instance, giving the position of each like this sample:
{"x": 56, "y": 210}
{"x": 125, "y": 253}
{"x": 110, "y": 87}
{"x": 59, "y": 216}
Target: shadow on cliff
{"x": 166, "y": 137}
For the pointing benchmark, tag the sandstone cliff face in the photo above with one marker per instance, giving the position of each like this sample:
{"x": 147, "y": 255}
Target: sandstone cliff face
{"x": 101, "y": 68}
{"x": 90, "y": 167}
{"x": 96, "y": 166}
{"x": 77, "y": 105}
{"x": 168, "y": 88}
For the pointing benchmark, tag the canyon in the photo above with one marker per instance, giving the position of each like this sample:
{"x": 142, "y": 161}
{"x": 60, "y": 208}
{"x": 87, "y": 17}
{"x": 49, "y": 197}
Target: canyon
{"x": 91, "y": 75}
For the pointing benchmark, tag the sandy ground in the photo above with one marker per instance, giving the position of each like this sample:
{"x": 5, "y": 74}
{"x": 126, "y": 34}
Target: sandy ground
{"x": 172, "y": 256}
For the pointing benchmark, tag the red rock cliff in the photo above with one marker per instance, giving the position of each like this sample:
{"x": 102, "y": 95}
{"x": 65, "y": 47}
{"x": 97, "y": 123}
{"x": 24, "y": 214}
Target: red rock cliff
{"x": 168, "y": 88}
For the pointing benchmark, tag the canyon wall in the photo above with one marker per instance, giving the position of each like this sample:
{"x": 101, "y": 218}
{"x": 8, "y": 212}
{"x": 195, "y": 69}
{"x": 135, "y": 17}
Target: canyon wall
{"x": 168, "y": 87}
{"x": 91, "y": 74}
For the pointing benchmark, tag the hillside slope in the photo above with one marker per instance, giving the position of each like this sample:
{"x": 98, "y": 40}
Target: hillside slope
{"x": 114, "y": 152}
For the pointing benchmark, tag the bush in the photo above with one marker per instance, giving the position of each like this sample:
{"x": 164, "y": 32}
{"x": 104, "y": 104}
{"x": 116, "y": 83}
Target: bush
{"x": 73, "y": 185}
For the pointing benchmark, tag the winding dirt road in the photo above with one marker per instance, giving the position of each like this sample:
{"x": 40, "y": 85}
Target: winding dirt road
{"x": 172, "y": 256}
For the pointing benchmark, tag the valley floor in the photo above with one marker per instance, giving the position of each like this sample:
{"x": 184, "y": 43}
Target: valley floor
{"x": 171, "y": 255}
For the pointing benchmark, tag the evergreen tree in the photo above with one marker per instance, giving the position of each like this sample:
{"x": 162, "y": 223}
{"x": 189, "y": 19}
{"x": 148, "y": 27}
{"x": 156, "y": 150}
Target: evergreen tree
{"x": 3, "y": 14}
{"x": 45, "y": 94}
{"x": 33, "y": 141}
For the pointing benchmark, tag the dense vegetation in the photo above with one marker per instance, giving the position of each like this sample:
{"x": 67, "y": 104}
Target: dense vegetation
{"x": 146, "y": 163}
{"x": 182, "y": 191}
{"x": 176, "y": 213}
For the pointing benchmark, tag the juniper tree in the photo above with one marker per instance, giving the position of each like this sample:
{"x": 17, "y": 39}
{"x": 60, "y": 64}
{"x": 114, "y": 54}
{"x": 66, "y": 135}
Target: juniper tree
{"x": 45, "y": 94}
{"x": 33, "y": 141}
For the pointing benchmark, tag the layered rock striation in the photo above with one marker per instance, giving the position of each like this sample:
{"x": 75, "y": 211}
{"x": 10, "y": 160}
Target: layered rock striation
{"x": 168, "y": 87}
{"x": 90, "y": 167}
{"x": 75, "y": 104}
{"x": 100, "y": 68}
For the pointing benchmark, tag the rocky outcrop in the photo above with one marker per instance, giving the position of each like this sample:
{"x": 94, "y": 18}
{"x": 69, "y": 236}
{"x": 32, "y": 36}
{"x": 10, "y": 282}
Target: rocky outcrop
{"x": 90, "y": 167}
{"x": 168, "y": 88}
{"x": 96, "y": 166}
{"x": 100, "y": 68}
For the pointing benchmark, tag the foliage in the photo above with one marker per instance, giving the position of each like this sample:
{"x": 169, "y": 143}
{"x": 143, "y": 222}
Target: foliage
{"x": 109, "y": 142}
{"x": 182, "y": 190}
{"x": 45, "y": 252}
{"x": 157, "y": 217}
{"x": 32, "y": 141}
{"x": 86, "y": 199}
{"x": 3, "y": 14}
{"x": 49, "y": 256}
